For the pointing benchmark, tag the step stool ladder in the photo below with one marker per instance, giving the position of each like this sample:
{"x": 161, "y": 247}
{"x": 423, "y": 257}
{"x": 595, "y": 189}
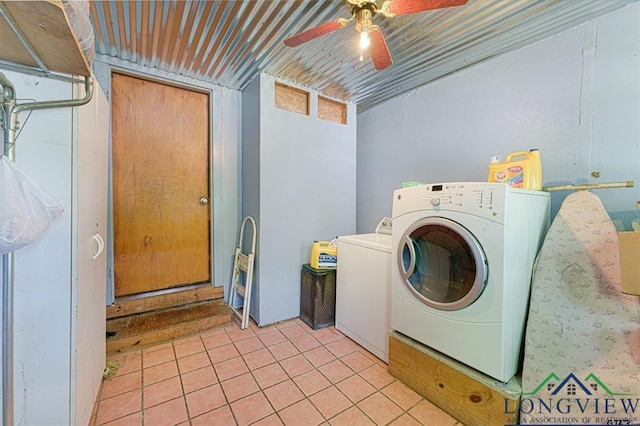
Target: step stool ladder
{"x": 242, "y": 279}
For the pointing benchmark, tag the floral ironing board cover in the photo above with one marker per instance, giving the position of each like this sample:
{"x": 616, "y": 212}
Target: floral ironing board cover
{"x": 582, "y": 341}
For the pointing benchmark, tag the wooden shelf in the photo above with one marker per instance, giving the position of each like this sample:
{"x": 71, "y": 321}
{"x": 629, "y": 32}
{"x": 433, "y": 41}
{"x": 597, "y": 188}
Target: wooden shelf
{"x": 45, "y": 25}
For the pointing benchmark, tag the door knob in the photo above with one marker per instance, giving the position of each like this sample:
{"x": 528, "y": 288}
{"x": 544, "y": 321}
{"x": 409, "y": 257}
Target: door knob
{"x": 204, "y": 201}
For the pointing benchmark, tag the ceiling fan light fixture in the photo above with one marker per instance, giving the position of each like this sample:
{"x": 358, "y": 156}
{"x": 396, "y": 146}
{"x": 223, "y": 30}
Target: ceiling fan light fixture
{"x": 364, "y": 43}
{"x": 371, "y": 37}
{"x": 364, "y": 40}
{"x": 364, "y": 24}
{"x": 364, "y": 19}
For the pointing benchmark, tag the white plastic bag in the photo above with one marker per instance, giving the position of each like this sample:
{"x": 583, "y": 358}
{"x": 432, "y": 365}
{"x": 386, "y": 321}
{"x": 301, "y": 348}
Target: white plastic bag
{"x": 78, "y": 12}
{"x": 26, "y": 210}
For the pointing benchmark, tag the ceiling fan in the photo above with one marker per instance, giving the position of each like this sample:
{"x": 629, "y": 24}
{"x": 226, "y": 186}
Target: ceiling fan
{"x": 371, "y": 37}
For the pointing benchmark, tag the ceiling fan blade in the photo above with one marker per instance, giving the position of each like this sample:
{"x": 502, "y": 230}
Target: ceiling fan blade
{"x": 402, "y": 7}
{"x": 379, "y": 51}
{"x": 314, "y": 32}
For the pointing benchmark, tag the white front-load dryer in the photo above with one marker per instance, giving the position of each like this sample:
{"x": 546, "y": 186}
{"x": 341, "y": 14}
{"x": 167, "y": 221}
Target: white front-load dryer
{"x": 462, "y": 258}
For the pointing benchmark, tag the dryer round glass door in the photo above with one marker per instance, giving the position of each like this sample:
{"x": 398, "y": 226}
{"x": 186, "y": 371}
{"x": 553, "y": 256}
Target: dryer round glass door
{"x": 442, "y": 263}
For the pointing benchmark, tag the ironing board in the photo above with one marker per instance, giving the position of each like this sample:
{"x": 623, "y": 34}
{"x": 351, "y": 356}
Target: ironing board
{"x": 582, "y": 342}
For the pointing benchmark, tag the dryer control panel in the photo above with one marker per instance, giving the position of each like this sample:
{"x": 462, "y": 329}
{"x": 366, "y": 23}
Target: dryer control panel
{"x": 479, "y": 198}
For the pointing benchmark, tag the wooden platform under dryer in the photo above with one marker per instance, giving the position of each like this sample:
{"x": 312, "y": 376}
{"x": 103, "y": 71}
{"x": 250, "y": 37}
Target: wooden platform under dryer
{"x": 139, "y": 322}
{"x": 466, "y": 394}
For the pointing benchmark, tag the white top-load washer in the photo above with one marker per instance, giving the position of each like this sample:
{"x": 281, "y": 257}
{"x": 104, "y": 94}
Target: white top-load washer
{"x": 463, "y": 255}
{"x": 363, "y": 288}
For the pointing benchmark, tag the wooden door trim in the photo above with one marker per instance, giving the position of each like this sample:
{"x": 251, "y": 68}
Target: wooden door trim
{"x": 162, "y": 80}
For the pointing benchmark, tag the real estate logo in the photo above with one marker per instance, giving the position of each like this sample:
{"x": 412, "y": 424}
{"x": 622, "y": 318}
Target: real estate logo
{"x": 574, "y": 401}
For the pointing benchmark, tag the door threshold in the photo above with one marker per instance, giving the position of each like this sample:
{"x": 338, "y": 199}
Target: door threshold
{"x": 162, "y": 292}
{"x": 163, "y": 299}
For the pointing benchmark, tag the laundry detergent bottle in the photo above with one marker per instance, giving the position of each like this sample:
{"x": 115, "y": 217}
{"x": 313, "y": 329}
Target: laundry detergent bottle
{"x": 536, "y": 166}
{"x": 519, "y": 170}
{"x": 324, "y": 254}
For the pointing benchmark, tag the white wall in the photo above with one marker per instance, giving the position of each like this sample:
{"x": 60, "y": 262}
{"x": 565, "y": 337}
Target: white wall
{"x": 305, "y": 184}
{"x": 575, "y": 95}
{"x": 251, "y": 177}
{"x": 42, "y": 294}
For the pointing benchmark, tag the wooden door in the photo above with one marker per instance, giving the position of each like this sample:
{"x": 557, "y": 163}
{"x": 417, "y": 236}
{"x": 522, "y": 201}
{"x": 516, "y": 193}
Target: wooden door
{"x": 160, "y": 140}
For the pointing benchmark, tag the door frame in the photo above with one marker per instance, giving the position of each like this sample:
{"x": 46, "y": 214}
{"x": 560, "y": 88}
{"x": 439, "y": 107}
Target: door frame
{"x": 213, "y": 196}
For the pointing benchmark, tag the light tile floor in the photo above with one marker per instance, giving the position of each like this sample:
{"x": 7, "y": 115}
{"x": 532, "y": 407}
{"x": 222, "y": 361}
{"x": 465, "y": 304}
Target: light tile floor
{"x": 286, "y": 374}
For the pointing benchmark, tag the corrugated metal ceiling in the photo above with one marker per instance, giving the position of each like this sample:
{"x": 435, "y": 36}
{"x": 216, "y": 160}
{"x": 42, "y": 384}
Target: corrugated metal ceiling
{"x": 230, "y": 42}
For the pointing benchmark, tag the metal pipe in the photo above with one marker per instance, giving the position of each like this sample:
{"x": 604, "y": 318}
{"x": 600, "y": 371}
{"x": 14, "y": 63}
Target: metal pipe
{"x": 7, "y": 339}
{"x": 16, "y": 67}
{"x": 10, "y": 110}
{"x": 587, "y": 186}
{"x": 9, "y": 122}
{"x": 8, "y": 91}
{"x": 88, "y": 89}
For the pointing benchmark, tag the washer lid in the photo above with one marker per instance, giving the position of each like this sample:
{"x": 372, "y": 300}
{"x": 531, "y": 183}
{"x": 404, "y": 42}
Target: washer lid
{"x": 381, "y": 242}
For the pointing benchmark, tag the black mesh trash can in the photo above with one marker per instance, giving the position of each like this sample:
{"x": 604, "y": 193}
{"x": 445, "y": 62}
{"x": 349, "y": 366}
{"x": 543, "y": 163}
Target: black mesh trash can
{"x": 318, "y": 297}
